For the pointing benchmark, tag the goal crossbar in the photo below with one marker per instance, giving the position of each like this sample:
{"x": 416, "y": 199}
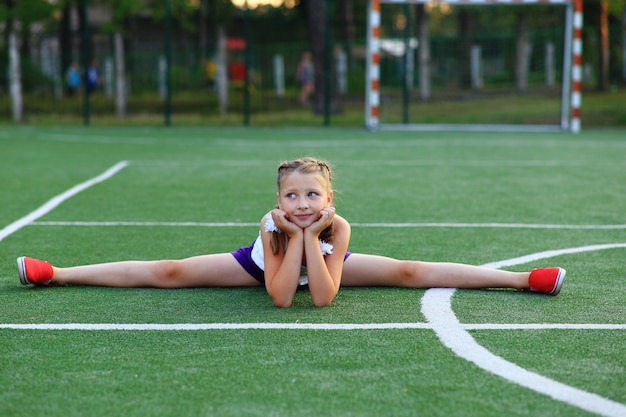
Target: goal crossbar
{"x": 571, "y": 96}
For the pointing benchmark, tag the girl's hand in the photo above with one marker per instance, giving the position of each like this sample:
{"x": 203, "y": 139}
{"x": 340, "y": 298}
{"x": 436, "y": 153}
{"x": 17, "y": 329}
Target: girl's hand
{"x": 281, "y": 220}
{"x": 325, "y": 219}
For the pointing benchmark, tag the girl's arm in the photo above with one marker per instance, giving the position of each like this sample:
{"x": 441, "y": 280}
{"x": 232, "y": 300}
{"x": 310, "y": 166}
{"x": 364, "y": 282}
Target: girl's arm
{"x": 325, "y": 272}
{"x": 282, "y": 270}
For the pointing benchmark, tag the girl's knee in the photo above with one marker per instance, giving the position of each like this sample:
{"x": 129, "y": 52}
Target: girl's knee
{"x": 167, "y": 273}
{"x": 412, "y": 274}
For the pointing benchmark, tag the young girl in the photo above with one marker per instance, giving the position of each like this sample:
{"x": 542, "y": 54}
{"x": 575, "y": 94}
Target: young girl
{"x": 302, "y": 243}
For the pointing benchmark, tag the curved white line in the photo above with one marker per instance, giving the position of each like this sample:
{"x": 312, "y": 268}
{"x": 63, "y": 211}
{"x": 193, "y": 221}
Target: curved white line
{"x": 551, "y": 254}
{"x": 437, "y": 308}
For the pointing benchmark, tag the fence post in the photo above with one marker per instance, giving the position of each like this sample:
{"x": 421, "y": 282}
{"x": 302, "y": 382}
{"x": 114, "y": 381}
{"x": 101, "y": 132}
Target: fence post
{"x": 108, "y": 76}
{"x": 120, "y": 76}
{"x": 221, "y": 76}
{"x": 477, "y": 81}
{"x": 549, "y": 64}
{"x": 279, "y": 75}
{"x": 342, "y": 71}
{"x": 162, "y": 68}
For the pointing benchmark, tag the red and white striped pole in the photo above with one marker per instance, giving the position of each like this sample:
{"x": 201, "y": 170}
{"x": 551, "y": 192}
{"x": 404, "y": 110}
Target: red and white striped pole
{"x": 373, "y": 66}
{"x": 577, "y": 50}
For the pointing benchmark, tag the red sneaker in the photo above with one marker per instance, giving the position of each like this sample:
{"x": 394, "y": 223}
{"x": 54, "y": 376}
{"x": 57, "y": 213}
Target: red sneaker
{"x": 34, "y": 271}
{"x": 546, "y": 280}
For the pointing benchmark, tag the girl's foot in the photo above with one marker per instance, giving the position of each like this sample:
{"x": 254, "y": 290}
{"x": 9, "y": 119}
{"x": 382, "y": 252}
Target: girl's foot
{"x": 546, "y": 280}
{"x": 33, "y": 271}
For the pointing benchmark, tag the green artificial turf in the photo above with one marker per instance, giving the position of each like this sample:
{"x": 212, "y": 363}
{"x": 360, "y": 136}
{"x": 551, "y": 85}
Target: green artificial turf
{"x": 434, "y": 196}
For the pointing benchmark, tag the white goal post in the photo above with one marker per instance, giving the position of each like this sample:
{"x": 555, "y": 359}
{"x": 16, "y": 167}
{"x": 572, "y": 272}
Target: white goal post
{"x": 570, "y": 87}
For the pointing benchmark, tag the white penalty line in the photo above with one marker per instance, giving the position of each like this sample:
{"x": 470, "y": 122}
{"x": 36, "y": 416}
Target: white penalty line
{"x": 56, "y": 201}
{"x": 389, "y": 225}
{"x": 298, "y": 326}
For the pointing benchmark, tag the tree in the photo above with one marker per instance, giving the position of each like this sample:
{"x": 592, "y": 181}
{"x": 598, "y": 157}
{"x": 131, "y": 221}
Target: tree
{"x": 603, "y": 37}
{"x": 522, "y": 53}
{"x": 65, "y": 35}
{"x": 15, "y": 80}
{"x": 346, "y": 14}
{"x": 623, "y": 46}
{"x": 423, "y": 47}
{"x": 465, "y": 30}
{"x": 13, "y": 12}
{"x": 597, "y": 14}
{"x": 316, "y": 18}
{"x": 121, "y": 11}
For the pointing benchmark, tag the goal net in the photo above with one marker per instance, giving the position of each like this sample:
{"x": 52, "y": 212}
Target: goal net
{"x": 503, "y": 65}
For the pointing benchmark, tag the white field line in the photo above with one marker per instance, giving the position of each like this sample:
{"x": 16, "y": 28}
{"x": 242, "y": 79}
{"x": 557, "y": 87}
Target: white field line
{"x": 437, "y": 308}
{"x": 479, "y": 163}
{"x": 145, "y": 224}
{"x": 98, "y": 139}
{"x": 299, "y": 326}
{"x": 551, "y": 254}
{"x": 382, "y": 225}
{"x": 543, "y": 326}
{"x": 55, "y": 201}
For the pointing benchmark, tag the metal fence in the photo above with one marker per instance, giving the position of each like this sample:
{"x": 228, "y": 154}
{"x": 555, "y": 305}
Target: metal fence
{"x": 190, "y": 90}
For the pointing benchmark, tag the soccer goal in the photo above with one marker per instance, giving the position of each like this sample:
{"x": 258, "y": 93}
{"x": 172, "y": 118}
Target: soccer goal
{"x": 474, "y": 64}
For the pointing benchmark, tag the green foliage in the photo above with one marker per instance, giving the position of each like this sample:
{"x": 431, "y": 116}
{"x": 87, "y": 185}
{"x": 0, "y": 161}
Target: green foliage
{"x": 616, "y": 7}
{"x": 28, "y": 11}
{"x": 121, "y": 10}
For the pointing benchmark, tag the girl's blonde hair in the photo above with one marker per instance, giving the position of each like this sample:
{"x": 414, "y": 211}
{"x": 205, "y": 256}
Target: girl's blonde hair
{"x": 306, "y": 165}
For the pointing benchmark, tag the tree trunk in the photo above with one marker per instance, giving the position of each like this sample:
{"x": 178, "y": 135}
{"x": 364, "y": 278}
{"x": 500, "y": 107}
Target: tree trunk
{"x": 202, "y": 32}
{"x": 65, "y": 38}
{"x": 25, "y": 46}
{"x": 120, "y": 75}
{"x": 15, "y": 79}
{"x": 423, "y": 48}
{"x": 316, "y": 12}
{"x": 465, "y": 29}
{"x": 221, "y": 75}
{"x": 624, "y": 44}
{"x": 603, "y": 52}
{"x": 347, "y": 23}
{"x": 14, "y": 70}
{"x": 521, "y": 53}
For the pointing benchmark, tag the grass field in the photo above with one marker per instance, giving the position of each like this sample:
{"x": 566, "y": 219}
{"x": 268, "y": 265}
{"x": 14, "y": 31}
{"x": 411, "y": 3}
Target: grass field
{"x": 479, "y": 198}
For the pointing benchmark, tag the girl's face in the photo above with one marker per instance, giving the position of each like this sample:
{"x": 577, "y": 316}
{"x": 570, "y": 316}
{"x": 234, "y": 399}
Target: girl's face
{"x": 303, "y": 196}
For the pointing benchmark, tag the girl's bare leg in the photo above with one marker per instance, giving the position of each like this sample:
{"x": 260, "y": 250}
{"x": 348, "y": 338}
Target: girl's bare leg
{"x": 371, "y": 270}
{"x": 218, "y": 270}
